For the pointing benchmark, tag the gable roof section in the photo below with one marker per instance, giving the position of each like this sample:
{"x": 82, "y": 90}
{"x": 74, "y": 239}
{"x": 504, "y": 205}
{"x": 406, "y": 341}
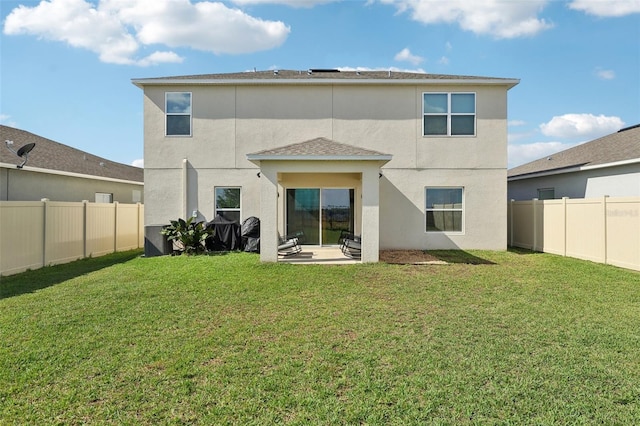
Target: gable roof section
{"x": 318, "y": 149}
{"x": 51, "y": 155}
{"x": 332, "y": 76}
{"x": 617, "y": 148}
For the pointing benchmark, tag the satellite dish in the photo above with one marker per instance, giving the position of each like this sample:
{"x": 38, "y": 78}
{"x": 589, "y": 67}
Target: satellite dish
{"x": 23, "y": 152}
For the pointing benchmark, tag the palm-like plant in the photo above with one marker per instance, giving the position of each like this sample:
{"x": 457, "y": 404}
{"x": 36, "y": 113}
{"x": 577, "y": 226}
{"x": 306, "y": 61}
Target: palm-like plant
{"x": 188, "y": 235}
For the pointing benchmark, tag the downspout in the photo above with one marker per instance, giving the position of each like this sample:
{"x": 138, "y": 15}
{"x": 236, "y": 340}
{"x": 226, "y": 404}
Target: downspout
{"x": 185, "y": 188}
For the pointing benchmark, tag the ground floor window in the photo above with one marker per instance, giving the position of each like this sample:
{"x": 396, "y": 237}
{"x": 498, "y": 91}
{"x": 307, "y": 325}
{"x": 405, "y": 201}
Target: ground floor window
{"x": 444, "y": 209}
{"x": 227, "y": 202}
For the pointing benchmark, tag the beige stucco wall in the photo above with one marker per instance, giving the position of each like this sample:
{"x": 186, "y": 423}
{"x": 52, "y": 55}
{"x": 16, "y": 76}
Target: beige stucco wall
{"x": 402, "y": 209}
{"x": 231, "y": 121}
{"x": 27, "y": 185}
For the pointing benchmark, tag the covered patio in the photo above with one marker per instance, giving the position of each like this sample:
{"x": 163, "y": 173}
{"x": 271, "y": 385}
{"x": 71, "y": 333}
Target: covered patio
{"x": 300, "y": 183}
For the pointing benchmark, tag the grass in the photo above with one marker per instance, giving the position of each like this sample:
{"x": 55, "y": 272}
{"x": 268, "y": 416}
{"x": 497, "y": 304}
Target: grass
{"x": 492, "y": 338}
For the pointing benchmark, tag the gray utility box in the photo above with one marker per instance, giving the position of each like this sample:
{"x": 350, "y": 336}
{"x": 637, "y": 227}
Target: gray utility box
{"x": 155, "y": 244}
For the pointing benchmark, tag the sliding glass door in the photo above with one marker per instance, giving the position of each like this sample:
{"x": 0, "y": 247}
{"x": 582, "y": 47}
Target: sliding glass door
{"x": 337, "y": 214}
{"x": 303, "y": 214}
{"x": 321, "y": 214}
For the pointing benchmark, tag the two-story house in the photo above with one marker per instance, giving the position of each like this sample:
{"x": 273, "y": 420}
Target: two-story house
{"x": 405, "y": 160}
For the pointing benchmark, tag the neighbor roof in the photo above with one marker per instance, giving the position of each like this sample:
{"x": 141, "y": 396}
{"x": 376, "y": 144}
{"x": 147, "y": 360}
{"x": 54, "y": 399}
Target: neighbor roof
{"x": 322, "y": 76}
{"x": 318, "y": 149}
{"x": 623, "y": 146}
{"x": 52, "y": 155}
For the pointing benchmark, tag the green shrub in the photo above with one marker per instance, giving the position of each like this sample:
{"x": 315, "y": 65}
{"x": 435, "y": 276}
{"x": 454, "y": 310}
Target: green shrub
{"x": 188, "y": 235}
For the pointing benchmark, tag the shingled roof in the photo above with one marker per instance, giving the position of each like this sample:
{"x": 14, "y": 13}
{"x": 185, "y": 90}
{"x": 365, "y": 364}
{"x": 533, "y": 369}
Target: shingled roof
{"x": 318, "y": 149}
{"x": 52, "y": 155}
{"x": 614, "y": 148}
{"x": 320, "y": 76}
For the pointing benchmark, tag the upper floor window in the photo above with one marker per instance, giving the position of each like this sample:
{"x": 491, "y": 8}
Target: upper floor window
{"x": 178, "y": 112}
{"x": 449, "y": 114}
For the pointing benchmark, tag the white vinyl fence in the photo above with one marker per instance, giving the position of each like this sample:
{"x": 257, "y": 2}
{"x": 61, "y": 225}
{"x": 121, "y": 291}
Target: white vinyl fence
{"x": 34, "y": 234}
{"x": 604, "y": 230}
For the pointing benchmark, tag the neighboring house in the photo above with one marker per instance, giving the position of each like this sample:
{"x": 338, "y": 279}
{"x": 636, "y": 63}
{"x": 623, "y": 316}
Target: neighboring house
{"x": 62, "y": 173}
{"x": 606, "y": 166}
{"x": 406, "y": 160}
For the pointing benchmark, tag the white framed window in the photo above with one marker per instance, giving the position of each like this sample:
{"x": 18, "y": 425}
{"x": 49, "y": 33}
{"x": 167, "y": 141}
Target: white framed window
{"x": 444, "y": 209}
{"x": 546, "y": 193}
{"x": 104, "y": 197}
{"x": 448, "y": 114}
{"x": 178, "y": 113}
{"x": 228, "y": 202}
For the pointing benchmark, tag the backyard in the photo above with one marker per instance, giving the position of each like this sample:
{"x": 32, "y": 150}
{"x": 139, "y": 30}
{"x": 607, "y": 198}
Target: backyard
{"x": 490, "y": 337}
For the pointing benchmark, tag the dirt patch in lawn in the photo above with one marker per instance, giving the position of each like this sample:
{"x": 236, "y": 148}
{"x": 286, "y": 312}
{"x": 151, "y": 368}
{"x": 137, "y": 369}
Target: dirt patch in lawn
{"x": 409, "y": 257}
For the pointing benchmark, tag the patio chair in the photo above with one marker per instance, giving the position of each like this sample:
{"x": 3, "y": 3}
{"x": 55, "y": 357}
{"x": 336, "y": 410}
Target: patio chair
{"x": 289, "y": 246}
{"x": 350, "y": 244}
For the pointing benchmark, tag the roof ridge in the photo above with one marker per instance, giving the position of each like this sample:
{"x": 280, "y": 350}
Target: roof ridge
{"x": 318, "y": 147}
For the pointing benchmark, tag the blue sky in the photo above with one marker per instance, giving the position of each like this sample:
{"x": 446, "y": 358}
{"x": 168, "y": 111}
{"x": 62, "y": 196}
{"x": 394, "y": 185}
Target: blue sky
{"x": 66, "y": 65}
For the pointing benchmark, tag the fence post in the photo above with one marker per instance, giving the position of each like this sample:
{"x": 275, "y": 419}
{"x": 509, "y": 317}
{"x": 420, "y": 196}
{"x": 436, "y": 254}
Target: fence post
{"x": 84, "y": 228}
{"x": 45, "y": 209}
{"x": 604, "y": 226}
{"x": 115, "y": 226}
{"x": 564, "y": 222}
{"x": 511, "y": 222}
{"x": 535, "y": 225}
{"x": 138, "y": 225}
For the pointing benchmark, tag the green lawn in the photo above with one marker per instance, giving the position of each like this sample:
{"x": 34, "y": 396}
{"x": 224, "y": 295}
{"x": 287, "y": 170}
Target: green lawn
{"x": 516, "y": 338}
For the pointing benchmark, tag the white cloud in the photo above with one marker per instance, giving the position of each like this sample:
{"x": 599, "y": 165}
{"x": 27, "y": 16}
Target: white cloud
{"x": 516, "y": 123}
{"x": 586, "y": 126}
{"x": 525, "y": 153}
{"x": 443, "y": 60}
{"x": 606, "y": 8}
{"x": 138, "y": 163}
{"x": 605, "y": 74}
{"x": 499, "y": 18}
{"x": 406, "y": 55}
{"x": 160, "y": 57}
{"x": 292, "y": 3}
{"x": 117, "y": 29}
{"x": 7, "y": 121}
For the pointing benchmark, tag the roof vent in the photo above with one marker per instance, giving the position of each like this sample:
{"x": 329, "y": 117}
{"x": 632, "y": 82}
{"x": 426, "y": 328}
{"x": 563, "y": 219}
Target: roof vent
{"x": 629, "y": 128}
{"x": 389, "y": 73}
